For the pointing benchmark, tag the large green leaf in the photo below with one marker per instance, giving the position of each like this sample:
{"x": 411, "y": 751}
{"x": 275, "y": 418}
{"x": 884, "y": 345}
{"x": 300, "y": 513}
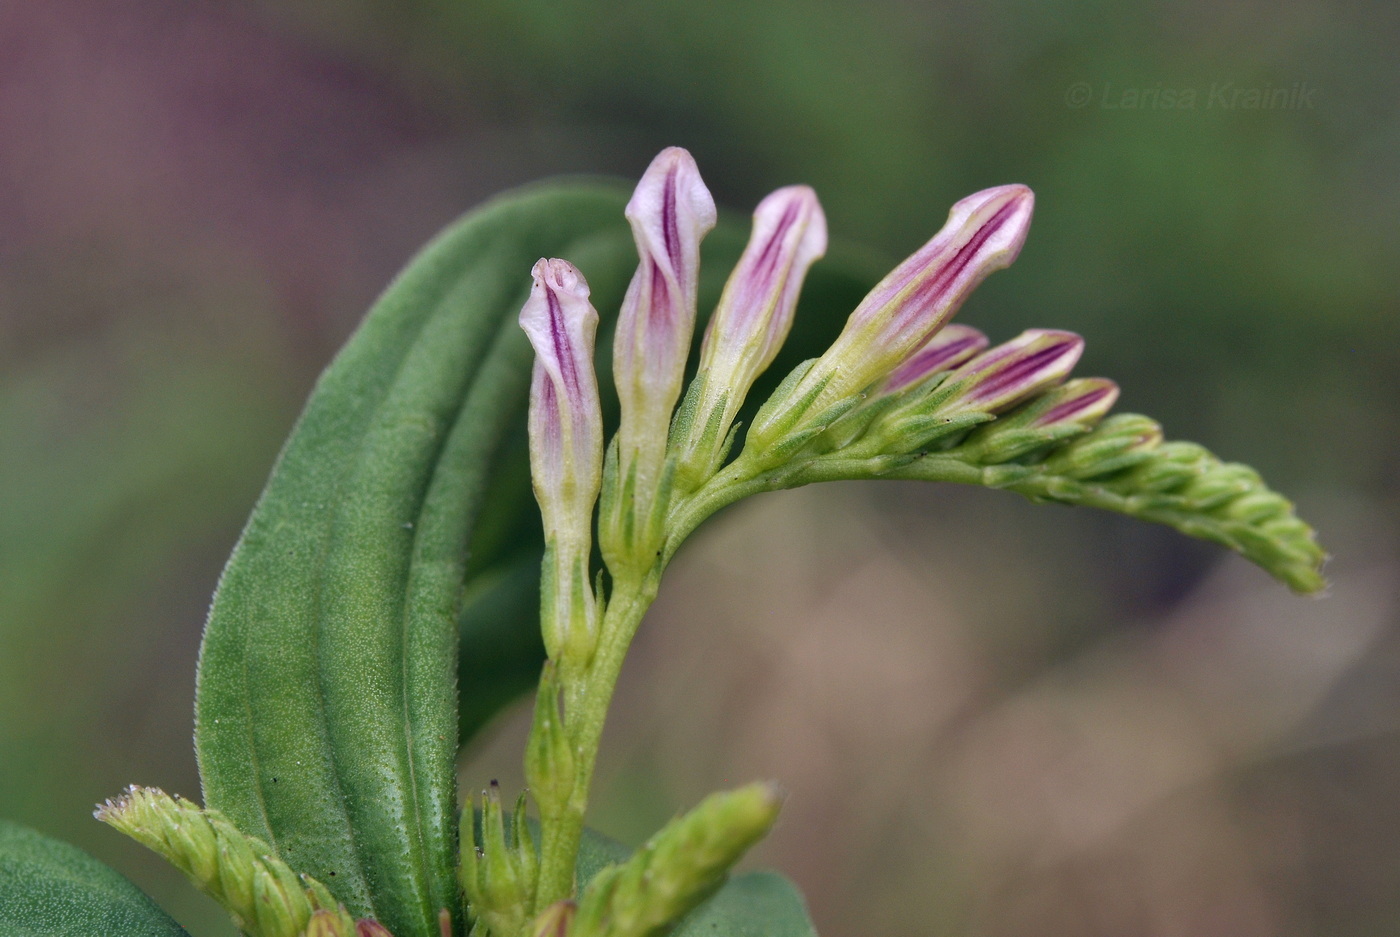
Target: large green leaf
{"x": 756, "y": 904}
{"x": 326, "y": 717}
{"x": 51, "y": 889}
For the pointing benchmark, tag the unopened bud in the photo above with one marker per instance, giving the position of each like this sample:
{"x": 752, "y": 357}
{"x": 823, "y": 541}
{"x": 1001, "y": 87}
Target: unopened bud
{"x": 1053, "y": 417}
{"x": 549, "y": 756}
{"x": 1258, "y": 507}
{"x": 331, "y": 923}
{"x": 1119, "y": 442}
{"x": 1010, "y": 373}
{"x": 555, "y": 920}
{"x": 670, "y": 212}
{"x": 951, "y": 346}
{"x": 1220, "y": 485}
{"x": 566, "y": 445}
{"x": 497, "y": 893}
{"x": 259, "y": 890}
{"x": 1172, "y": 466}
{"x": 907, "y": 308}
{"x": 678, "y": 867}
{"x": 749, "y": 325}
{"x": 278, "y": 912}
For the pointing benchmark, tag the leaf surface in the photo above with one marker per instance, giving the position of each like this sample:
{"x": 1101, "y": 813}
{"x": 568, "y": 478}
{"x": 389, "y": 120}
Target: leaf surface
{"x": 51, "y": 889}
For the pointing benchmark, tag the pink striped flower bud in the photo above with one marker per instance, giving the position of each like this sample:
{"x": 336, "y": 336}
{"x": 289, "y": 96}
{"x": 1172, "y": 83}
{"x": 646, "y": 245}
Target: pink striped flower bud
{"x": 1012, "y": 372}
{"x": 1070, "y": 410}
{"x": 906, "y": 309}
{"x": 950, "y": 346}
{"x": 670, "y": 212}
{"x": 566, "y": 444}
{"x": 1082, "y": 402}
{"x": 751, "y": 322}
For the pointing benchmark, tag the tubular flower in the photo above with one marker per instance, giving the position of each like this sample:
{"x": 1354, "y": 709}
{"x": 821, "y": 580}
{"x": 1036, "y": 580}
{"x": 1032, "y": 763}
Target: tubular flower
{"x": 566, "y": 442}
{"x": 907, "y": 308}
{"x": 670, "y": 212}
{"x": 751, "y": 322}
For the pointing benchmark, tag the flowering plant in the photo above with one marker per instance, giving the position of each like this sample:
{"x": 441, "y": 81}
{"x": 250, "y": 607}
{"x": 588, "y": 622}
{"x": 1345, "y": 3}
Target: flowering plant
{"x": 388, "y": 565}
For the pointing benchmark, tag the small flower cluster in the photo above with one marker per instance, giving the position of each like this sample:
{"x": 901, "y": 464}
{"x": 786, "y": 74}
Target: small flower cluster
{"x": 894, "y": 341}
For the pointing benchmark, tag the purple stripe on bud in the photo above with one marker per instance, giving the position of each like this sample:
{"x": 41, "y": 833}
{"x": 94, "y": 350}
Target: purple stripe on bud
{"x": 670, "y": 212}
{"x": 756, "y": 310}
{"x": 984, "y": 233}
{"x": 750, "y": 323}
{"x": 1008, "y": 374}
{"x": 566, "y": 425}
{"x": 949, "y": 347}
{"x": 1084, "y": 401}
{"x": 906, "y": 309}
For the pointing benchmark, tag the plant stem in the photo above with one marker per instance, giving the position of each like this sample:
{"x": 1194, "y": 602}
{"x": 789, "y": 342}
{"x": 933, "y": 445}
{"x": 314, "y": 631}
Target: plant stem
{"x": 561, "y": 834}
{"x": 589, "y": 692}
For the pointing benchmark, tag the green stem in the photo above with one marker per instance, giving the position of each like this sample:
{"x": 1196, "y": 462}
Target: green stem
{"x": 561, "y": 834}
{"x": 588, "y": 693}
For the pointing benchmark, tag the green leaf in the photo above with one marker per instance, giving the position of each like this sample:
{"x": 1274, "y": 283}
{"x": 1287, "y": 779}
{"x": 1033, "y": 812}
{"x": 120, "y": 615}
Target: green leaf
{"x": 756, "y": 904}
{"x": 51, "y": 889}
{"x": 326, "y": 717}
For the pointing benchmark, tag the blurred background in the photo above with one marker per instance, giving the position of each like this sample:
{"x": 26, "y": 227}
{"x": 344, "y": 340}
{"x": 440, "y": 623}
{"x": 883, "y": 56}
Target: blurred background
{"x": 992, "y": 718}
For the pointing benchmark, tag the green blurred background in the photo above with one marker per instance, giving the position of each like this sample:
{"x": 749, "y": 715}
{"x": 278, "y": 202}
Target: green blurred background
{"x": 992, "y": 718}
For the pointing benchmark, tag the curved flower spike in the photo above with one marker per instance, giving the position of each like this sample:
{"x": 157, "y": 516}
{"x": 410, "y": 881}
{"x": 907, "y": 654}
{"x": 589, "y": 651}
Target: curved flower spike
{"x": 750, "y": 324}
{"x": 984, "y": 233}
{"x": 566, "y": 441}
{"x": 670, "y": 212}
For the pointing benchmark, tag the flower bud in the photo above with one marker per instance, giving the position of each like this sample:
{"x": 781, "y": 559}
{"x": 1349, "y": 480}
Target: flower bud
{"x": 670, "y": 212}
{"x": 331, "y": 923}
{"x": 1258, "y": 507}
{"x": 279, "y": 912}
{"x": 549, "y": 755}
{"x": 497, "y": 891}
{"x": 750, "y": 324}
{"x": 366, "y": 927}
{"x": 1221, "y": 484}
{"x": 566, "y": 447}
{"x": 1011, "y": 372}
{"x": 1173, "y": 466}
{"x": 984, "y": 233}
{"x": 1119, "y": 442}
{"x": 950, "y": 346}
{"x": 259, "y": 890}
{"x": 679, "y": 866}
{"x": 1059, "y": 414}
{"x": 555, "y": 920}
